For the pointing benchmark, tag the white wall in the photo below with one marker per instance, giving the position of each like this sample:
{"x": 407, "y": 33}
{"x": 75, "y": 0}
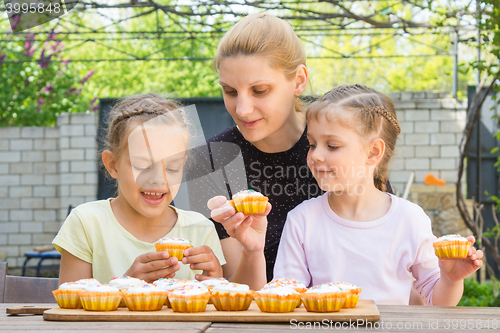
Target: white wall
{"x": 42, "y": 171}
{"x": 431, "y": 129}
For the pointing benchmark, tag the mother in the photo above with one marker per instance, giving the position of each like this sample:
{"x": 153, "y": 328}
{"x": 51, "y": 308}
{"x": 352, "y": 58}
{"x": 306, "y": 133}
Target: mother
{"x": 262, "y": 71}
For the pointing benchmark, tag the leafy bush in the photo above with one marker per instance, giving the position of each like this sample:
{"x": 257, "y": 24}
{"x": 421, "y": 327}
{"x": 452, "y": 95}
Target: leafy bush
{"x": 480, "y": 294}
{"x": 36, "y": 84}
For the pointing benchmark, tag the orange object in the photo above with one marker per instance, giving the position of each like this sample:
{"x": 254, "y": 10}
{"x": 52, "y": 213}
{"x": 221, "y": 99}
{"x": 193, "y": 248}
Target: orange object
{"x": 430, "y": 179}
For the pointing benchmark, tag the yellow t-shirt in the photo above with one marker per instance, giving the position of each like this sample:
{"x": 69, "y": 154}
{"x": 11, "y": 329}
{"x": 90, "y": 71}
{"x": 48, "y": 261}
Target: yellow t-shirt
{"x": 92, "y": 234}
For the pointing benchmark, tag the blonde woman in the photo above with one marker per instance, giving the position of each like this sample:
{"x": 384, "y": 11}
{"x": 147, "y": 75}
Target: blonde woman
{"x": 262, "y": 72}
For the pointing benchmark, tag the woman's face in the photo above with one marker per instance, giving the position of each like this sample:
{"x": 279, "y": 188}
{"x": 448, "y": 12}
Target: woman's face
{"x": 259, "y": 98}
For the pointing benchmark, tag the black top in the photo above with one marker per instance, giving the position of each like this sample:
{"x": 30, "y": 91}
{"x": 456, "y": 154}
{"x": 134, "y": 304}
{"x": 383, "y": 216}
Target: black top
{"x": 283, "y": 177}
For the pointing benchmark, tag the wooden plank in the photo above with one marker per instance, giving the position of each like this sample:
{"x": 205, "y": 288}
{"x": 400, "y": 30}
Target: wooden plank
{"x": 4, "y": 306}
{"x": 360, "y": 330}
{"x": 83, "y": 328}
{"x": 437, "y": 309}
{"x": 381, "y": 326}
{"x": 117, "y": 330}
{"x": 366, "y": 310}
{"x": 396, "y": 324}
{"x": 91, "y": 326}
{"x": 27, "y": 309}
{"x": 25, "y": 317}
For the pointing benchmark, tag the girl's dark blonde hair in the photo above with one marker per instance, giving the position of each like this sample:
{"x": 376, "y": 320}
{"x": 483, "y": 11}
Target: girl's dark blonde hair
{"x": 367, "y": 111}
{"x": 267, "y": 36}
{"x": 136, "y": 110}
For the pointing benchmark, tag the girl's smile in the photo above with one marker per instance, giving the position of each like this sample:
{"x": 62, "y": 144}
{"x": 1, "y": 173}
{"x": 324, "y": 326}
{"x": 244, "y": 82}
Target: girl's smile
{"x": 153, "y": 197}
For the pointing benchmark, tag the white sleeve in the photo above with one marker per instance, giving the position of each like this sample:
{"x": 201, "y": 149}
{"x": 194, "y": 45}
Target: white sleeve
{"x": 425, "y": 268}
{"x": 291, "y": 261}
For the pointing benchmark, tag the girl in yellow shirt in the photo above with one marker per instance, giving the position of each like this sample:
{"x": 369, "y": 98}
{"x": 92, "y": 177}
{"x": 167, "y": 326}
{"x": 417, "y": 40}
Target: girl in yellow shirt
{"x": 148, "y": 140}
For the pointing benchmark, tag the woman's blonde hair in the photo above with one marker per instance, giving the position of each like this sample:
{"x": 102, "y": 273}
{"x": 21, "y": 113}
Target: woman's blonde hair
{"x": 368, "y": 112}
{"x": 267, "y": 36}
{"x": 136, "y": 110}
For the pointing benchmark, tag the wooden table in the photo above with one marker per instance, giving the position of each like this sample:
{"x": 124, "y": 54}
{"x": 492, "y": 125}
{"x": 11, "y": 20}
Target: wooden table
{"x": 392, "y": 319}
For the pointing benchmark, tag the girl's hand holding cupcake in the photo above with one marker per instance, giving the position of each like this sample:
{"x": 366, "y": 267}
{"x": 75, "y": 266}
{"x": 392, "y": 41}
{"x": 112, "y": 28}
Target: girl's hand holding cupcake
{"x": 153, "y": 265}
{"x": 203, "y": 258}
{"x": 457, "y": 260}
{"x": 249, "y": 230}
{"x": 457, "y": 270}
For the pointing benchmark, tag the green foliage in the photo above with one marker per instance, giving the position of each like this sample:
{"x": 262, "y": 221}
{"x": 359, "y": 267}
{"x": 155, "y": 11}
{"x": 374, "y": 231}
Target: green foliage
{"x": 387, "y": 73}
{"x": 376, "y": 58}
{"x": 490, "y": 24}
{"x": 480, "y": 294}
{"x": 35, "y": 91}
{"x": 179, "y": 78}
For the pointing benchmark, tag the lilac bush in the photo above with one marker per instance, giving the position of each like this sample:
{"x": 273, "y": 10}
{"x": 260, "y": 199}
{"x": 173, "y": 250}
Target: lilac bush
{"x": 37, "y": 83}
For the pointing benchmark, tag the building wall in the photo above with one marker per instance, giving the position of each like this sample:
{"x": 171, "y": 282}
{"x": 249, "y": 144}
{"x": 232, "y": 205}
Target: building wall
{"x": 42, "y": 171}
{"x": 431, "y": 129}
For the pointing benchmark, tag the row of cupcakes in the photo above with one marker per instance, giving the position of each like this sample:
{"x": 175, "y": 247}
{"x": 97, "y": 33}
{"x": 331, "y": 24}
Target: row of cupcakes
{"x": 285, "y": 295}
{"x": 282, "y": 295}
{"x": 136, "y": 294}
{"x": 125, "y": 291}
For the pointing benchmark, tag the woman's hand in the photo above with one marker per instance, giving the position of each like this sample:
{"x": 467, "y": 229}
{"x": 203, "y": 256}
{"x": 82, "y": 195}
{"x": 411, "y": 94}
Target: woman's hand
{"x": 152, "y": 266}
{"x": 203, "y": 258}
{"x": 250, "y": 230}
{"x": 457, "y": 270}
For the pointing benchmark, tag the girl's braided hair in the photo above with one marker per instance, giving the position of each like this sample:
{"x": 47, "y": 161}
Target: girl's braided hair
{"x": 368, "y": 112}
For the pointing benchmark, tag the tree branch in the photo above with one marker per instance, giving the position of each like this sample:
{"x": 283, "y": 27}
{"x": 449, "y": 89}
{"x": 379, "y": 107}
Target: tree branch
{"x": 472, "y": 116}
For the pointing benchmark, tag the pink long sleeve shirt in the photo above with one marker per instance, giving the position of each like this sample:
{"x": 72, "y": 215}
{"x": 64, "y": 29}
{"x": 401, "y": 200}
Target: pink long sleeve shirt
{"x": 380, "y": 256}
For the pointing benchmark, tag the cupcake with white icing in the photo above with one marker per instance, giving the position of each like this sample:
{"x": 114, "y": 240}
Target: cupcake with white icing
{"x": 352, "y": 293}
{"x": 170, "y": 285}
{"x": 89, "y": 282}
{"x": 292, "y": 283}
{"x": 249, "y": 202}
{"x": 287, "y": 282}
{"x": 125, "y": 282}
{"x": 67, "y": 295}
{"x": 145, "y": 298}
{"x": 174, "y": 246}
{"x": 211, "y": 283}
{"x": 451, "y": 247}
{"x": 189, "y": 298}
{"x": 100, "y": 298}
{"x": 277, "y": 299}
{"x": 326, "y": 297}
{"x": 231, "y": 297}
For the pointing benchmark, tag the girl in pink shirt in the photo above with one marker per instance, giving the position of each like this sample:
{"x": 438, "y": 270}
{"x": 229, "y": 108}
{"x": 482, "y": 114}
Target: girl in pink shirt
{"x": 356, "y": 232}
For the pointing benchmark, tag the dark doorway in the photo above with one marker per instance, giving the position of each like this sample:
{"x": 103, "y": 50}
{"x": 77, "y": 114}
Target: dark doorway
{"x": 481, "y": 169}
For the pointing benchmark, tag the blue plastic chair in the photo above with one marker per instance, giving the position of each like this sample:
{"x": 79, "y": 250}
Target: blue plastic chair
{"x": 41, "y": 256}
